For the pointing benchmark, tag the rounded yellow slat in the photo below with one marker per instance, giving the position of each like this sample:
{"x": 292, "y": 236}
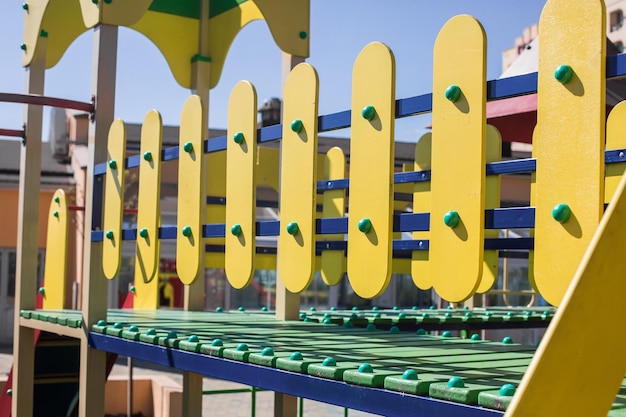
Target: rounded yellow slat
{"x": 296, "y": 244}
{"x": 492, "y": 201}
{"x": 240, "y": 185}
{"x": 191, "y": 195}
{"x": 333, "y": 262}
{"x": 615, "y": 139}
{"x": 420, "y": 267}
{"x": 55, "y": 269}
{"x": 458, "y": 159}
{"x": 569, "y": 140}
{"x": 147, "y": 258}
{"x": 114, "y": 200}
{"x": 371, "y": 170}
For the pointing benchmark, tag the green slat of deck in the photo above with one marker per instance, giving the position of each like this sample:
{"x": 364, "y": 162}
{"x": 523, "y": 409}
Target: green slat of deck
{"x": 465, "y": 395}
{"x": 375, "y": 379}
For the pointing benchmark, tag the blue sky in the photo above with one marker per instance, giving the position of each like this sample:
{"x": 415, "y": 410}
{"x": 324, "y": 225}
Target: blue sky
{"x": 339, "y": 30}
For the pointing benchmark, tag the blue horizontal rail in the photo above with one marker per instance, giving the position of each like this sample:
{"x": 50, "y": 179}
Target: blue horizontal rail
{"x": 496, "y": 90}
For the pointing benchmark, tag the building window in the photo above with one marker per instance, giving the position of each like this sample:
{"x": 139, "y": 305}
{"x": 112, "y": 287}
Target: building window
{"x": 616, "y": 20}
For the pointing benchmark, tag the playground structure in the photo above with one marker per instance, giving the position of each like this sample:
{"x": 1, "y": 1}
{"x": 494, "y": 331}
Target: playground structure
{"x": 577, "y": 169}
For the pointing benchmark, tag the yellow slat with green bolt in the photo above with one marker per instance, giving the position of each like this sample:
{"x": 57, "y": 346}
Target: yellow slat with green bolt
{"x": 114, "y": 200}
{"x": 568, "y": 140}
{"x": 146, "y": 287}
{"x": 55, "y": 268}
{"x": 191, "y": 194}
{"x": 371, "y": 170}
{"x": 296, "y": 242}
{"x": 240, "y": 185}
{"x": 458, "y": 159}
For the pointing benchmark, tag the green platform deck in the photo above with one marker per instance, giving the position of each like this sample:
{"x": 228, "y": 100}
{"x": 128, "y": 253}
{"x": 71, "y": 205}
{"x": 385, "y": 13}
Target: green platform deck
{"x": 407, "y": 362}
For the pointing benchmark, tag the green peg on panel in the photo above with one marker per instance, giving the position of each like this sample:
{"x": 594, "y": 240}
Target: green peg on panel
{"x": 410, "y": 375}
{"x": 297, "y": 125}
{"x": 188, "y": 147}
{"x": 368, "y": 112}
{"x": 113, "y": 164}
{"x": 364, "y": 225}
{"x": 235, "y": 229}
{"x": 55, "y": 214}
{"x": 453, "y": 93}
{"x": 57, "y": 199}
{"x": 563, "y": 74}
{"x": 143, "y": 232}
{"x": 451, "y": 219}
{"x": 507, "y": 390}
{"x": 186, "y": 231}
{"x": 193, "y": 338}
{"x": 455, "y": 382}
{"x": 147, "y": 156}
{"x": 109, "y": 234}
{"x": 296, "y": 356}
{"x": 329, "y": 362}
{"x": 366, "y": 368}
{"x": 561, "y": 213}
{"x": 267, "y": 351}
{"x": 238, "y": 138}
{"x": 292, "y": 228}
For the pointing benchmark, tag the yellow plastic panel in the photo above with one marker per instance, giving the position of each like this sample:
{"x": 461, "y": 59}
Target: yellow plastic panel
{"x": 60, "y": 20}
{"x": 371, "y": 170}
{"x": 147, "y": 258}
{"x": 240, "y": 185}
{"x": 420, "y": 268}
{"x": 296, "y": 242}
{"x": 458, "y": 158}
{"x": 189, "y": 241}
{"x": 615, "y": 139}
{"x": 288, "y": 21}
{"x": 569, "y": 139}
{"x": 114, "y": 200}
{"x": 583, "y": 372}
{"x": 333, "y": 262}
{"x": 56, "y": 253}
{"x": 492, "y": 201}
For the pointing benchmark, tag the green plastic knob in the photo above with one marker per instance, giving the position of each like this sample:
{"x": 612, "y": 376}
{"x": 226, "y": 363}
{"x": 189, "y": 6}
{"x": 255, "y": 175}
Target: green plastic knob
{"x": 241, "y": 308}
{"x": 108, "y": 1}
{"x": 133, "y": 289}
{"x": 564, "y": 74}
{"x": 447, "y": 315}
{"x": 23, "y": 47}
{"x": 219, "y": 310}
{"x": 10, "y": 392}
{"x": 507, "y": 390}
{"x": 370, "y": 326}
{"x": 365, "y": 225}
{"x": 329, "y": 362}
{"x": 297, "y": 125}
{"x": 410, "y": 375}
{"x": 268, "y": 351}
{"x": 475, "y": 337}
{"x": 366, "y": 368}
{"x": 217, "y": 342}
{"x": 143, "y": 232}
{"x": 193, "y": 338}
{"x": 133, "y": 328}
{"x": 455, "y": 382}
{"x": 327, "y": 320}
{"x": 113, "y": 164}
{"x": 171, "y": 335}
{"x": 25, "y": 6}
{"x": 151, "y": 332}
{"x": 186, "y": 231}
{"x": 118, "y": 325}
{"x": 374, "y": 308}
{"x": 394, "y": 329}
{"x": 348, "y": 324}
{"x": 55, "y": 214}
{"x": 42, "y": 290}
{"x": 487, "y": 314}
{"x": 507, "y": 341}
{"x": 451, "y": 219}
{"x": 302, "y": 316}
{"x": 188, "y": 147}
{"x": 147, "y": 156}
{"x": 333, "y": 309}
{"x": 453, "y": 93}
{"x": 468, "y": 314}
{"x": 264, "y": 308}
{"x": 447, "y": 333}
{"x": 368, "y": 112}
{"x": 296, "y": 356}
{"x": 292, "y": 228}
{"x": 561, "y": 213}
{"x": 302, "y": 35}
{"x": 355, "y": 308}
{"x": 312, "y": 309}
{"x": 425, "y": 315}
{"x": 101, "y": 323}
{"x": 238, "y": 138}
{"x": 432, "y": 308}
{"x": 235, "y": 229}
{"x": 109, "y": 234}
{"x": 421, "y": 332}
{"x": 57, "y": 199}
